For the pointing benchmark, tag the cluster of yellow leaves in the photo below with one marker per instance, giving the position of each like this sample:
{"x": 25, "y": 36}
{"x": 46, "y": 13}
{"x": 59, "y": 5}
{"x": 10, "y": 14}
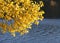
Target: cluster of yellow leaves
{"x": 23, "y": 13}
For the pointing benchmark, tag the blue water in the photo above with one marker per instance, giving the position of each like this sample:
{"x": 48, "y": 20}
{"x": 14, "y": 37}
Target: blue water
{"x": 48, "y": 31}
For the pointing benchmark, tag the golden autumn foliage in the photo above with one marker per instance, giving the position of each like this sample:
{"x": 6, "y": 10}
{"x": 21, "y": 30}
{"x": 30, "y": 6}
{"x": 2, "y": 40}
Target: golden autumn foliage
{"x": 22, "y": 12}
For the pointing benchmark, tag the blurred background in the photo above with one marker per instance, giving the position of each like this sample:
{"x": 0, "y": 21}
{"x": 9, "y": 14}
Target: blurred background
{"x": 51, "y": 8}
